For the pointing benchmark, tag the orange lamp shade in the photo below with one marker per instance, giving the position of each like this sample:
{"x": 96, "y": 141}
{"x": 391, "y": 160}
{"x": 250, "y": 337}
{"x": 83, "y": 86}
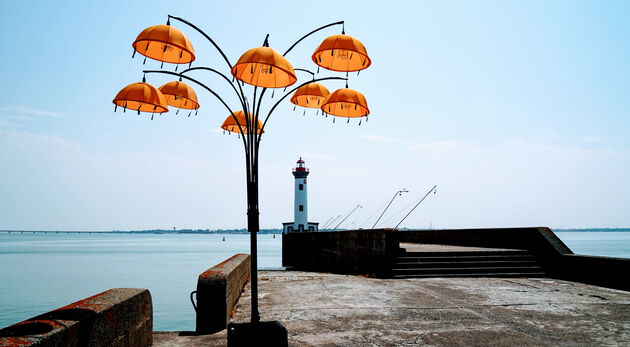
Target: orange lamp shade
{"x": 264, "y": 67}
{"x": 346, "y": 103}
{"x": 179, "y": 94}
{"x": 341, "y": 53}
{"x": 143, "y": 97}
{"x": 311, "y": 95}
{"x": 230, "y": 124}
{"x": 164, "y": 43}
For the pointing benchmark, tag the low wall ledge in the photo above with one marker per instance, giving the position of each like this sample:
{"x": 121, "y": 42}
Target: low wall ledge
{"x": 218, "y": 290}
{"x": 116, "y": 317}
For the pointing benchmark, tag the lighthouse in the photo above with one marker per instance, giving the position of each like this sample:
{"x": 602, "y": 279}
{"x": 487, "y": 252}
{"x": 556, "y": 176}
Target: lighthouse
{"x": 300, "y": 205}
{"x": 300, "y": 209}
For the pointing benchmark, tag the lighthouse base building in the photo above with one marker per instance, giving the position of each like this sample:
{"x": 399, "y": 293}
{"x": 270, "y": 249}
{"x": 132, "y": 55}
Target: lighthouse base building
{"x": 300, "y": 209}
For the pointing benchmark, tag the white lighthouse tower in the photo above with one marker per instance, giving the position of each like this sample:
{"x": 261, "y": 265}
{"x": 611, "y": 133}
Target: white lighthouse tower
{"x": 300, "y": 210}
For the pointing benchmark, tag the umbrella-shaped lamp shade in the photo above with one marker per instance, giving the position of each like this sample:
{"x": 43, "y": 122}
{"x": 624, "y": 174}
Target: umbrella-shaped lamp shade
{"x": 143, "y": 97}
{"x": 179, "y": 94}
{"x": 341, "y": 53}
{"x": 311, "y": 95}
{"x": 346, "y": 103}
{"x": 165, "y": 43}
{"x": 264, "y": 67}
{"x": 230, "y": 124}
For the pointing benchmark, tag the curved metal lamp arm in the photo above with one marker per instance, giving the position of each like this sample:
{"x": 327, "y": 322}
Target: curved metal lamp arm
{"x": 206, "y": 36}
{"x": 241, "y": 96}
{"x": 311, "y": 33}
{"x": 291, "y": 91}
{"x": 222, "y": 75}
{"x": 257, "y": 111}
{"x": 305, "y": 70}
{"x": 208, "y": 89}
{"x": 252, "y": 130}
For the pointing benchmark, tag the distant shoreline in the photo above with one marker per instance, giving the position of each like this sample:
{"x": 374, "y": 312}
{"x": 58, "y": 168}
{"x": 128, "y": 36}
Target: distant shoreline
{"x": 237, "y": 231}
{"x": 157, "y": 231}
{"x": 593, "y": 230}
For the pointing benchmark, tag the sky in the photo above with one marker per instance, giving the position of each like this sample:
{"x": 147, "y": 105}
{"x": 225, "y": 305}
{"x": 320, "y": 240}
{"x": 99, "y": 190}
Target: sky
{"x": 517, "y": 110}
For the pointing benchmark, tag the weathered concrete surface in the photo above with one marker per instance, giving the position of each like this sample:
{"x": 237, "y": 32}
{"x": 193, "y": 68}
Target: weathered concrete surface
{"x": 174, "y": 338}
{"x": 116, "y": 317}
{"x": 320, "y": 309}
{"x": 218, "y": 290}
{"x": 327, "y": 309}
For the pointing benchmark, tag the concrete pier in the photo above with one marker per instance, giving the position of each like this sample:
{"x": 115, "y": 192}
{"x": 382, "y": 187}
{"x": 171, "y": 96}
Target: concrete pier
{"x": 329, "y": 309}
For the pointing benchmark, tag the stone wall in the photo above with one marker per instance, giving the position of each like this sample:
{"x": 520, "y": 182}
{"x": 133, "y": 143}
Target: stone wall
{"x": 539, "y": 240}
{"x": 218, "y": 290}
{"x": 117, "y": 317}
{"x": 368, "y": 251}
{"x": 601, "y": 271}
{"x": 557, "y": 259}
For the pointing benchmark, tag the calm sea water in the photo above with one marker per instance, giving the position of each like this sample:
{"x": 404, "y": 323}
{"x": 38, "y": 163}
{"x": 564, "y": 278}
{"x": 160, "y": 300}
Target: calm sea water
{"x": 42, "y": 272}
{"x": 609, "y": 244}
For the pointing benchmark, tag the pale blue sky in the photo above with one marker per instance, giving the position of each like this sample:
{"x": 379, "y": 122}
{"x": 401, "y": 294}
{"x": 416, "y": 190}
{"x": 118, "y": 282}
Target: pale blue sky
{"x": 517, "y": 110}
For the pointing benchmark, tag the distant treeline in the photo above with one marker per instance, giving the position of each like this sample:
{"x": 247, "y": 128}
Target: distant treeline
{"x": 203, "y": 231}
{"x": 244, "y": 231}
{"x": 152, "y": 231}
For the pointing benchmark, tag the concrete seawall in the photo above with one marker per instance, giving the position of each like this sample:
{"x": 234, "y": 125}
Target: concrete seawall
{"x": 117, "y": 317}
{"x": 367, "y": 251}
{"x": 558, "y": 260}
{"x": 372, "y": 251}
{"x": 540, "y": 240}
{"x": 602, "y": 271}
{"x": 218, "y": 290}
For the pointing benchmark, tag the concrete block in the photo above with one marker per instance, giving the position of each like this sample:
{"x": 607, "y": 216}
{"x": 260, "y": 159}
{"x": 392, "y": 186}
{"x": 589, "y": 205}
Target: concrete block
{"x": 116, "y": 317}
{"x": 368, "y": 251}
{"x": 218, "y": 290}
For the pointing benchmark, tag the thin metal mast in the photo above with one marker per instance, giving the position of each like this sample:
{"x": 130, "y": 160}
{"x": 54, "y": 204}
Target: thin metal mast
{"x": 343, "y": 220}
{"x": 419, "y": 202}
{"x": 398, "y": 193}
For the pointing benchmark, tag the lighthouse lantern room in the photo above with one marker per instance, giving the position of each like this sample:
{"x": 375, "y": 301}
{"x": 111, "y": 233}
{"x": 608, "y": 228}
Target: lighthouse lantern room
{"x": 300, "y": 207}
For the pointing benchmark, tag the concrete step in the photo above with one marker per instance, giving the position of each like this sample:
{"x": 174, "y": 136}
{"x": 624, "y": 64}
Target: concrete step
{"x": 464, "y": 253}
{"x": 477, "y": 263}
{"x": 467, "y": 270}
{"x": 476, "y": 274}
{"x": 453, "y": 258}
{"x": 467, "y": 263}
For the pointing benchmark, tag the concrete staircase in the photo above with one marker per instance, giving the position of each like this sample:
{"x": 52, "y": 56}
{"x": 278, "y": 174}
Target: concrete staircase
{"x": 487, "y": 263}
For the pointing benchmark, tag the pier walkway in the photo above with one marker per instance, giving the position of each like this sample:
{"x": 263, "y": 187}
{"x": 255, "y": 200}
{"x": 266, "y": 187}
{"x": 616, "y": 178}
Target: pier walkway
{"x": 328, "y": 309}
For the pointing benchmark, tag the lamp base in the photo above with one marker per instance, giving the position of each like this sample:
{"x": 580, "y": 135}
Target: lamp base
{"x": 257, "y": 334}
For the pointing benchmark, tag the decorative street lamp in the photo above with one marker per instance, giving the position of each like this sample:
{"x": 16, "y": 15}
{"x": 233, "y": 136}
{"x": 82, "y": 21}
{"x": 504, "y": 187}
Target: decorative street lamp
{"x": 261, "y": 67}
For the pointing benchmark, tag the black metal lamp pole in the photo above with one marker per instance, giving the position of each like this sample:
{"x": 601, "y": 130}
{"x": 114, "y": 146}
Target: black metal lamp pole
{"x": 251, "y": 136}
